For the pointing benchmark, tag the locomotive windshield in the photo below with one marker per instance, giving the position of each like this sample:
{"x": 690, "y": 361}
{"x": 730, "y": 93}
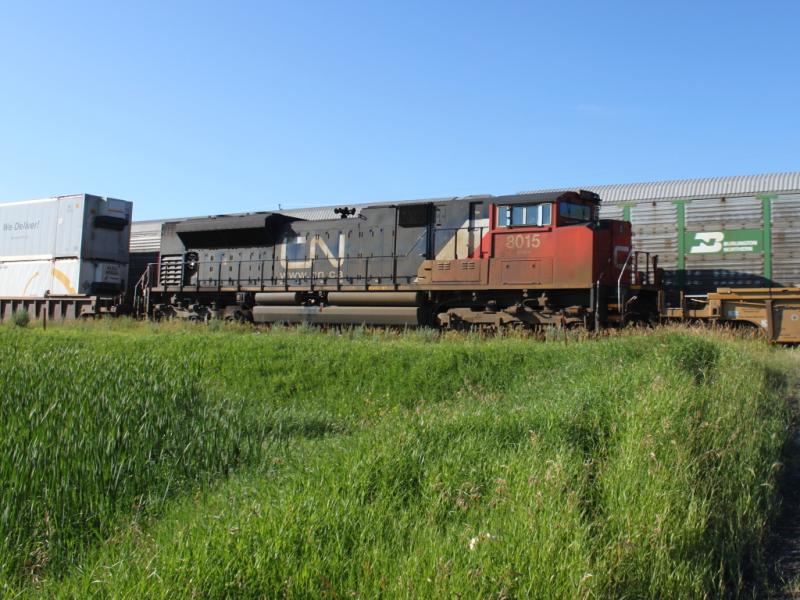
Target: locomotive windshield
{"x": 533, "y": 215}
{"x": 574, "y": 211}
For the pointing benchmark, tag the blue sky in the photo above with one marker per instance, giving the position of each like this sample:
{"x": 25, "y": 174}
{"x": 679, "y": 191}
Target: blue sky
{"x": 191, "y": 108}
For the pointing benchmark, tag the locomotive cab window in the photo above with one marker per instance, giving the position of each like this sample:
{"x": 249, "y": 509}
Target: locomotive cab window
{"x": 574, "y": 211}
{"x": 532, "y": 215}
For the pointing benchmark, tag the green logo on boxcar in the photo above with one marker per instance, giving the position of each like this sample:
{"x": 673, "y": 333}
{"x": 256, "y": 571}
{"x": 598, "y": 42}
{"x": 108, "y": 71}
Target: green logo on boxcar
{"x": 734, "y": 240}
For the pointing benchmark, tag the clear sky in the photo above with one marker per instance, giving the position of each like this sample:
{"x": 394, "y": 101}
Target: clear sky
{"x": 190, "y": 108}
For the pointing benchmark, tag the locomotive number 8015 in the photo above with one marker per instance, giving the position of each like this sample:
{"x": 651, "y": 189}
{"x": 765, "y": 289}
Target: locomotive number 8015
{"x": 528, "y": 261}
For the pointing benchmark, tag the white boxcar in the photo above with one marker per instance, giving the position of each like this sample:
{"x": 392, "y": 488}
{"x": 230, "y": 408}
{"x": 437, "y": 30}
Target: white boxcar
{"x": 64, "y": 246}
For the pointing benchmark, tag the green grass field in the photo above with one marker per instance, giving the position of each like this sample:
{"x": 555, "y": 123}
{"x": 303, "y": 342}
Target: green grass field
{"x": 146, "y": 461}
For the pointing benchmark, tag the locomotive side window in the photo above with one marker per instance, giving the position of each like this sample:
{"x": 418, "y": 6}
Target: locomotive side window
{"x": 577, "y": 212}
{"x": 538, "y": 215}
{"x": 502, "y": 216}
{"x": 533, "y": 215}
{"x": 547, "y": 214}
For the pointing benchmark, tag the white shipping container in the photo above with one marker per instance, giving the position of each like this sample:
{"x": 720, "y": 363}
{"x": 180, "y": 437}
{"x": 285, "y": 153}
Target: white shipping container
{"x": 37, "y": 278}
{"x": 61, "y": 277}
{"x": 81, "y": 226}
{"x": 67, "y": 245}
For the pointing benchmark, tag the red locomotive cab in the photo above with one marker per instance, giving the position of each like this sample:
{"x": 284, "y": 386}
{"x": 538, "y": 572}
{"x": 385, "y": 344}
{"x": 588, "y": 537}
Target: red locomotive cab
{"x": 545, "y": 243}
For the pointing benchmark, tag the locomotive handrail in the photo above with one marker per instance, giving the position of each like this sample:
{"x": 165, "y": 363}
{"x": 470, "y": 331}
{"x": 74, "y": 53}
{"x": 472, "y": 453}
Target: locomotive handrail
{"x": 635, "y": 275}
{"x": 176, "y": 273}
{"x": 143, "y": 283}
{"x": 216, "y": 280}
{"x": 285, "y": 279}
{"x": 620, "y": 307}
{"x": 184, "y": 273}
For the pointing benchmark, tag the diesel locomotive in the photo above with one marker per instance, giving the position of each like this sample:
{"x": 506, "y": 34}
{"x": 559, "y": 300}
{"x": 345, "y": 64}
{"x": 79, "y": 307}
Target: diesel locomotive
{"x": 524, "y": 261}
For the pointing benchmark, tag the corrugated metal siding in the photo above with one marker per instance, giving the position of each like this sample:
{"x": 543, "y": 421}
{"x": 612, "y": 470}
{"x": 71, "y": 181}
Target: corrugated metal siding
{"x": 712, "y": 214}
{"x": 692, "y": 188}
{"x": 611, "y": 211}
{"x": 654, "y": 231}
{"x": 146, "y": 236}
{"x": 786, "y": 239}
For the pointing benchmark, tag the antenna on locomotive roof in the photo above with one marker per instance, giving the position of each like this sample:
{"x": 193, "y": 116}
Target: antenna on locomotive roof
{"x": 279, "y": 206}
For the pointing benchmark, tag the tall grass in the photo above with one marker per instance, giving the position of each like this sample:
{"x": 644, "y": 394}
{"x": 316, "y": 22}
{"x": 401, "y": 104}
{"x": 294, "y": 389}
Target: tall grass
{"x": 361, "y": 464}
{"x": 88, "y": 430}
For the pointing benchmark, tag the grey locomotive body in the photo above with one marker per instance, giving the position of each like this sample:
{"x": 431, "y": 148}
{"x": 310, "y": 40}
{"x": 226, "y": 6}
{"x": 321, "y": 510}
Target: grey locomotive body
{"x": 528, "y": 260}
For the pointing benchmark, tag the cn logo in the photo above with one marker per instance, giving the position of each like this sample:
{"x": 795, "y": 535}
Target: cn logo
{"x": 707, "y": 242}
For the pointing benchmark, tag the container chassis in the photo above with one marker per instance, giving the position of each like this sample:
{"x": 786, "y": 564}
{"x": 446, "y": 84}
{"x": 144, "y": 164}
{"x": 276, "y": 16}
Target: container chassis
{"x": 775, "y": 310}
{"x": 61, "y": 308}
